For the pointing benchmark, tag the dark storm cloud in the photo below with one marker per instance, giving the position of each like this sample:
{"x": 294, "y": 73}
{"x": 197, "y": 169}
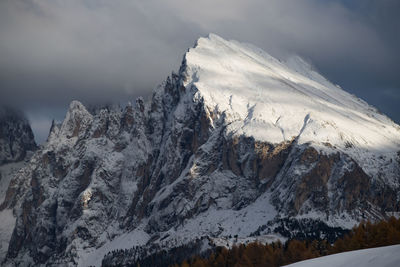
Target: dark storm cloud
{"x": 53, "y": 51}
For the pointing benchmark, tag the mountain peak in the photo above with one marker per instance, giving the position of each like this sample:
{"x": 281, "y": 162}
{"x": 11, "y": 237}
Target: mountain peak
{"x": 238, "y": 143}
{"x": 270, "y": 100}
{"x": 274, "y": 101}
{"x": 76, "y": 105}
{"x": 76, "y": 120}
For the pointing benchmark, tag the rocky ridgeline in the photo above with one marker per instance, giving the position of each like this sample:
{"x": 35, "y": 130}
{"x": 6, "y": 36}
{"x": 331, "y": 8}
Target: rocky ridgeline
{"x": 169, "y": 171}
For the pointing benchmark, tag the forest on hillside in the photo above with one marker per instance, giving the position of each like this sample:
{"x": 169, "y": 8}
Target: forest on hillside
{"x": 365, "y": 235}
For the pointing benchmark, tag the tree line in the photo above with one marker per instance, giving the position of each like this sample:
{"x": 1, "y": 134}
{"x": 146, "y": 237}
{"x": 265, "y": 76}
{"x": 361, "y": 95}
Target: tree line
{"x": 365, "y": 235}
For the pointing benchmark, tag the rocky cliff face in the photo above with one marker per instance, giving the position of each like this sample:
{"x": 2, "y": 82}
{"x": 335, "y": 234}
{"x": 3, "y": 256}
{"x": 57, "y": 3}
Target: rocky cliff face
{"x": 16, "y": 146}
{"x": 233, "y": 144}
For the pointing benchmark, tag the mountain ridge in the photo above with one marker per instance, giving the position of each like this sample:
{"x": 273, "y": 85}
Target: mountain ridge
{"x": 198, "y": 160}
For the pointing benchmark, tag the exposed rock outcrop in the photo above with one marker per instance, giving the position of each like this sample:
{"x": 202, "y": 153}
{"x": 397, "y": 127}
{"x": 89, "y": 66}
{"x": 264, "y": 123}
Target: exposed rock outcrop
{"x": 183, "y": 166}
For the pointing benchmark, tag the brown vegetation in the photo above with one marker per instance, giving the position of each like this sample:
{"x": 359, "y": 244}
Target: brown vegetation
{"x": 365, "y": 235}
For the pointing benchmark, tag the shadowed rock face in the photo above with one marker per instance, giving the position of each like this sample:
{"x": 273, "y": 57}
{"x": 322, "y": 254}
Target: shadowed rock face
{"x": 16, "y": 146}
{"x": 333, "y": 184}
{"x": 16, "y": 137}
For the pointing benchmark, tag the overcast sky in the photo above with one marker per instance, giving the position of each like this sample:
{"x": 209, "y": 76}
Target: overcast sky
{"x": 99, "y": 51}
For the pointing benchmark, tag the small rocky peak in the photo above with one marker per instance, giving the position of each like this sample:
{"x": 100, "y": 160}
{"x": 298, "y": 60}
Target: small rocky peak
{"x": 77, "y": 120}
{"x": 127, "y": 118}
{"x": 140, "y": 104}
{"x": 133, "y": 114}
{"x": 183, "y": 69}
{"x": 76, "y": 105}
{"x": 172, "y": 91}
{"x": 107, "y": 122}
{"x": 54, "y": 130}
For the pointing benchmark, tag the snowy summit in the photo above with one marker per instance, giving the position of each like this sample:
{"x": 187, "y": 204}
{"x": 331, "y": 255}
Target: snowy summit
{"x": 276, "y": 101}
{"x": 236, "y": 147}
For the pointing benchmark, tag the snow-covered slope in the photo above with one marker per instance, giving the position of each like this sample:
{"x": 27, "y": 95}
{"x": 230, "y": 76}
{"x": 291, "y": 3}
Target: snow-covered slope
{"x": 373, "y": 257}
{"x": 236, "y": 143}
{"x": 276, "y": 101}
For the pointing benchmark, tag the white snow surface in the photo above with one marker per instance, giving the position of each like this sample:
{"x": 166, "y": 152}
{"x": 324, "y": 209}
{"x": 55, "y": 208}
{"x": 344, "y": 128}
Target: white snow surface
{"x": 383, "y": 257}
{"x": 125, "y": 241}
{"x": 275, "y": 101}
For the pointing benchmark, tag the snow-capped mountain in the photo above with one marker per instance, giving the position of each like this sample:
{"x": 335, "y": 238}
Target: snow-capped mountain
{"x": 237, "y": 143}
{"x": 16, "y": 146}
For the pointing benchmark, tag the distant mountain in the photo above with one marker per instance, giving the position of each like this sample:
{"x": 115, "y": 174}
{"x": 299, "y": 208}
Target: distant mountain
{"x": 237, "y": 146}
{"x": 16, "y": 137}
{"x": 16, "y": 146}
